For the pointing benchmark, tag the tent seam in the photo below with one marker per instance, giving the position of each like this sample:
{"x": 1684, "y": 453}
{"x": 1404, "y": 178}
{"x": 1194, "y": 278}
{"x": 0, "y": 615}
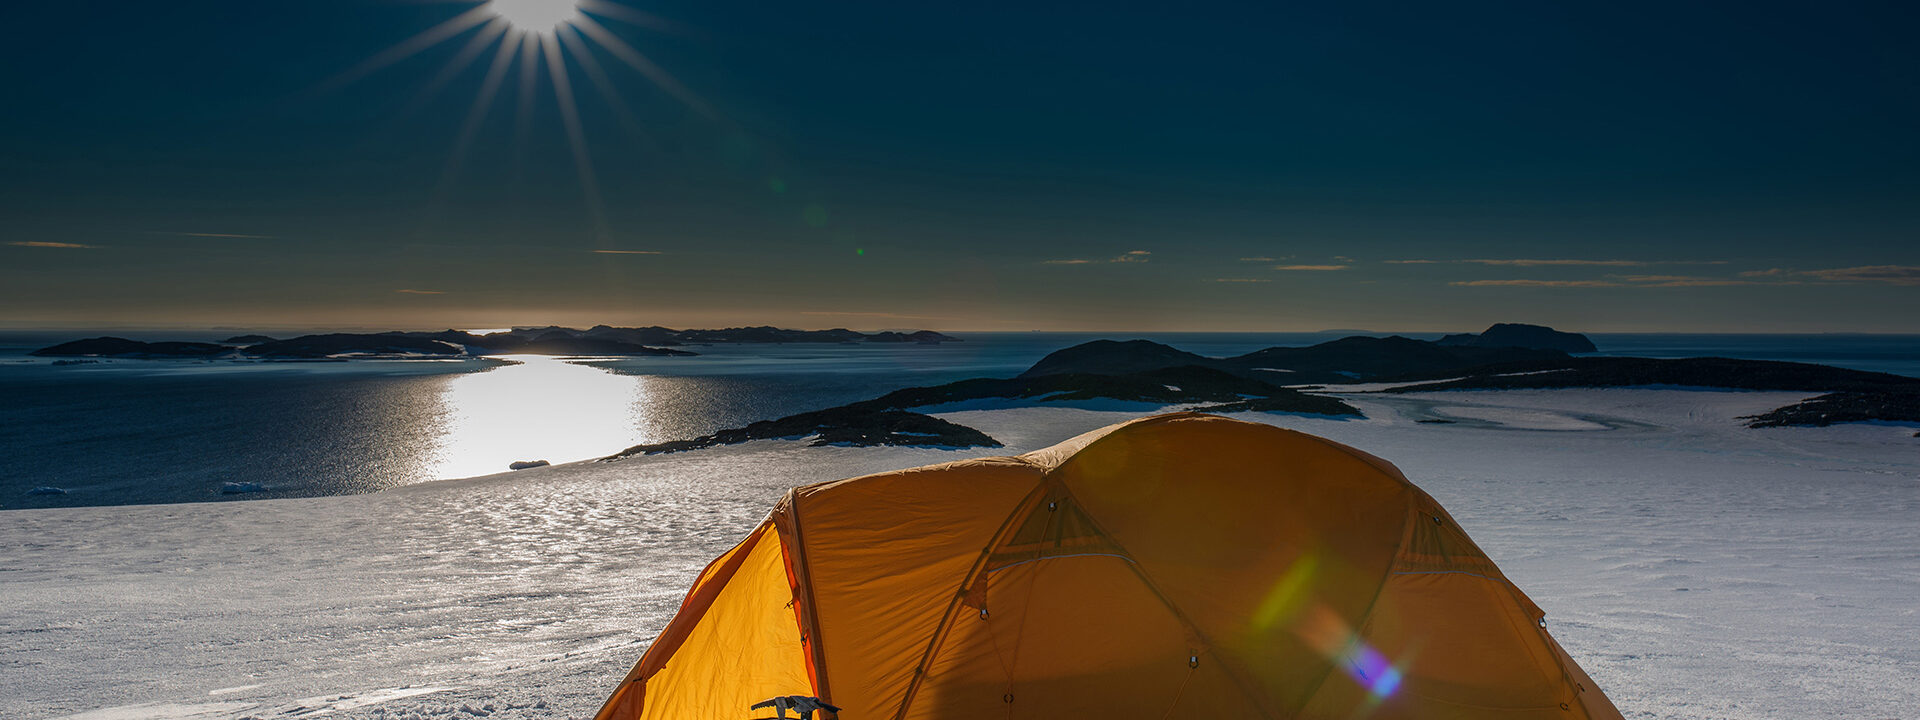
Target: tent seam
{"x": 1239, "y": 677}
{"x": 953, "y": 604}
{"x": 805, "y": 571}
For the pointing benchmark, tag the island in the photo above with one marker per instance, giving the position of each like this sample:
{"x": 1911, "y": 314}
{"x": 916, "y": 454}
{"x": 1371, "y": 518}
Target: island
{"x": 1523, "y": 336}
{"x": 1301, "y": 380}
{"x": 124, "y": 348}
{"x": 653, "y": 341}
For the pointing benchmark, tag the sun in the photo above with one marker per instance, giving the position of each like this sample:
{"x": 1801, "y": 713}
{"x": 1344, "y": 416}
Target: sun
{"x": 537, "y": 16}
{"x": 529, "y": 34}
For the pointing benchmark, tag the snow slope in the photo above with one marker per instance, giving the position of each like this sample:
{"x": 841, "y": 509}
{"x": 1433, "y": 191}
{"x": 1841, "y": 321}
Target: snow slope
{"x": 1696, "y": 568}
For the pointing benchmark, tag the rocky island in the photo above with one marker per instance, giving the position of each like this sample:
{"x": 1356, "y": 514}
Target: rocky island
{"x": 1292, "y": 380}
{"x": 124, "y": 348}
{"x": 1522, "y": 336}
{"x": 891, "y": 418}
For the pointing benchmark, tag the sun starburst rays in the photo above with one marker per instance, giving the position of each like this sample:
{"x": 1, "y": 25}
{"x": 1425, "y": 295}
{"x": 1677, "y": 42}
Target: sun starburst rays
{"x": 526, "y": 33}
{"x": 576, "y": 135}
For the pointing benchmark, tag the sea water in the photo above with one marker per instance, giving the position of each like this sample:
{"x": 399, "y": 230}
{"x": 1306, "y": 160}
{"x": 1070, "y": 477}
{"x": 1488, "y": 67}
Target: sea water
{"x": 116, "y": 432}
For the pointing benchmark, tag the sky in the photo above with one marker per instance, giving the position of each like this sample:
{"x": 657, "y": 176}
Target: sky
{"x": 1261, "y": 166}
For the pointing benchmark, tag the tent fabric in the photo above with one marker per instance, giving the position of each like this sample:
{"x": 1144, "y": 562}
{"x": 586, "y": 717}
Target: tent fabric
{"x": 1181, "y": 565}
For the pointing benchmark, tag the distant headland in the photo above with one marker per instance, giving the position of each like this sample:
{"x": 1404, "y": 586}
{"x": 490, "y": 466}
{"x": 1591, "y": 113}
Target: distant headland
{"x": 548, "y": 340}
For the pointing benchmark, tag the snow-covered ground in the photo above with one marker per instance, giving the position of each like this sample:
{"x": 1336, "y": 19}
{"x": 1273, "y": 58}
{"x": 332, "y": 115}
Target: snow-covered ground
{"x": 1696, "y": 568}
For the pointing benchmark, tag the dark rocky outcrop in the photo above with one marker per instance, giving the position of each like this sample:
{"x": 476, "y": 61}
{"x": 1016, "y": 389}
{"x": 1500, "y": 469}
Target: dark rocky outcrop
{"x": 888, "y": 420}
{"x": 1517, "y": 335}
{"x": 1890, "y": 405}
{"x": 1365, "y": 358}
{"x": 768, "y": 334}
{"x": 652, "y": 335}
{"x": 1343, "y": 360}
{"x": 839, "y": 426}
{"x": 1115, "y": 357}
{"x": 1711, "y": 372}
{"x": 1288, "y": 402}
{"x": 1852, "y": 395}
{"x": 124, "y": 348}
{"x": 319, "y": 346}
{"x": 547, "y": 341}
{"x": 656, "y": 335}
{"x": 588, "y": 346}
{"x": 923, "y": 337}
{"x": 1166, "y": 386}
{"x": 462, "y": 338}
{"x": 1484, "y": 362}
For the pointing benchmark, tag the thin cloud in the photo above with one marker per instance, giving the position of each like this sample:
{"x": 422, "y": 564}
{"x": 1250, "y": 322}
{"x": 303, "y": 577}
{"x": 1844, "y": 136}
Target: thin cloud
{"x": 1131, "y": 256}
{"x": 1551, "y": 262}
{"x": 1311, "y": 268}
{"x": 1537, "y": 283}
{"x": 227, "y": 236}
{"x": 1711, "y": 282}
{"x": 1872, "y": 274}
{"x": 50, "y": 244}
{"x": 1623, "y": 281}
{"x": 1240, "y": 280}
{"x": 627, "y": 252}
{"x": 1685, "y": 281}
{"x": 1533, "y": 262}
{"x": 1652, "y": 278}
{"x": 1881, "y": 274}
{"x": 420, "y": 292}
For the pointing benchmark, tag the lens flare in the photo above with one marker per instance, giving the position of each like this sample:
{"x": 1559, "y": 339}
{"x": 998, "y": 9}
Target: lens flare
{"x": 1323, "y": 630}
{"x": 1288, "y": 596}
{"x": 1371, "y": 669}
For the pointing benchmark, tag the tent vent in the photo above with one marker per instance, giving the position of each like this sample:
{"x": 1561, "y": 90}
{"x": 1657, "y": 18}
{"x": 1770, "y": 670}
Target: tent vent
{"x": 1063, "y": 530}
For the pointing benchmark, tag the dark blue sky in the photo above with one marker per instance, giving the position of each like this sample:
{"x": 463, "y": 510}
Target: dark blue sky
{"x": 1258, "y": 166}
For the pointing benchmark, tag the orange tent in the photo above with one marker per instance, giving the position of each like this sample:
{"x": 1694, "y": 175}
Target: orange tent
{"x": 1182, "y": 565}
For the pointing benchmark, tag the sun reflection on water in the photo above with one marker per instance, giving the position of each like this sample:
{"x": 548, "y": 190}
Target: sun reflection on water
{"x": 535, "y": 407}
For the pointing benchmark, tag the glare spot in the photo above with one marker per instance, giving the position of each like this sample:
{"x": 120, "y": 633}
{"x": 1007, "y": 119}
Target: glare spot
{"x": 536, "y": 408}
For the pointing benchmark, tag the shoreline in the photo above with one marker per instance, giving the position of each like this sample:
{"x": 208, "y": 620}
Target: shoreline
{"x": 1418, "y": 408}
